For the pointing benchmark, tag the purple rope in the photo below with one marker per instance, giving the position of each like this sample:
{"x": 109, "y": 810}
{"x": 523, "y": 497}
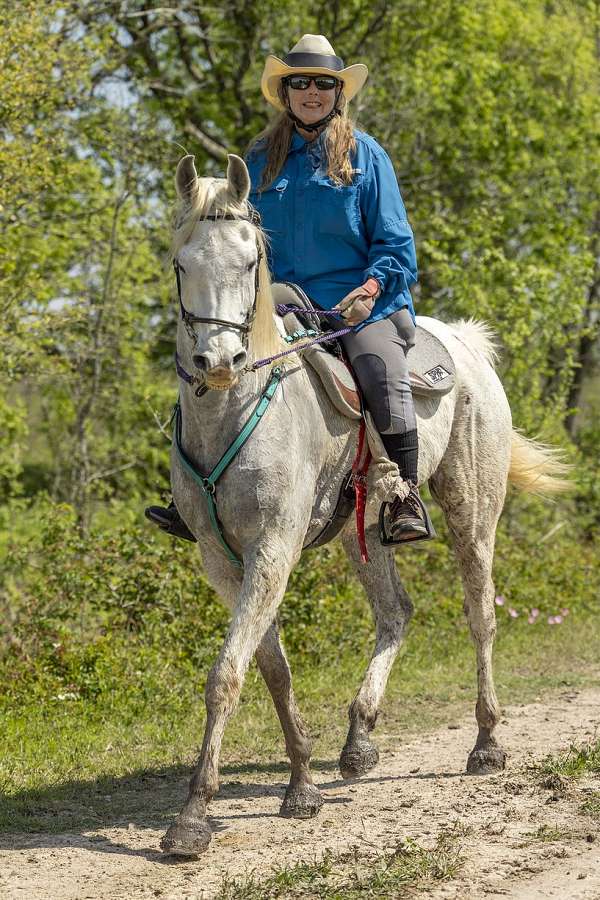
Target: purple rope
{"x": 322, "y": 338}
{"x": 282, "y": 309}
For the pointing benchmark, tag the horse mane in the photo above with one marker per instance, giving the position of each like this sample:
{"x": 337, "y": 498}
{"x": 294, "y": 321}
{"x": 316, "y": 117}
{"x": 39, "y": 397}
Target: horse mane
{"x": 212, "y": 198}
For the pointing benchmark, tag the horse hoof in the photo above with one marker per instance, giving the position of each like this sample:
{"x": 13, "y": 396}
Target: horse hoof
{"x": 358, "y": 759}
{"x": 189, "y": 837}
{"x": 301, "y": 802}
{"x": 486, "y": 761}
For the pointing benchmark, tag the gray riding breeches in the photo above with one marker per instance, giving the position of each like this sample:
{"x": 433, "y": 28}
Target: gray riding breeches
{"x": 377, "y": 353}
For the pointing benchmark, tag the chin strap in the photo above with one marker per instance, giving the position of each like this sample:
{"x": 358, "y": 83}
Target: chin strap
{"x": 316, "y": 125}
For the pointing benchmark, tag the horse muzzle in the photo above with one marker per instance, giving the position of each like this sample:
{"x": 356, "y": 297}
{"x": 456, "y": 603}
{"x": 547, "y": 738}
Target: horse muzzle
{"x": 220, "y": 378}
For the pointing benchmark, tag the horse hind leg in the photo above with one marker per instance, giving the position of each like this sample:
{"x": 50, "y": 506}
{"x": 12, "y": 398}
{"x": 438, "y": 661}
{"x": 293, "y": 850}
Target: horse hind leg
{"x": 302, "y": 799}
{"x": 392, "y": 609}
{"x": 473, "y": 527}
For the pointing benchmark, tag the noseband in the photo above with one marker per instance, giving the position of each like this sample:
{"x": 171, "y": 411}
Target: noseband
{"x": 189, "y": 319}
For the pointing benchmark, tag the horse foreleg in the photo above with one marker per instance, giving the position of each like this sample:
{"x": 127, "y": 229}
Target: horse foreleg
{"x": 392, "y": 609}
{"x": 263, "y": 586}
{"x": 302, "y": 799}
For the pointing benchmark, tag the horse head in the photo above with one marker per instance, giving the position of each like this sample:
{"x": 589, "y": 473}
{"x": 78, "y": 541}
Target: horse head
{"x": 217, "y": 251}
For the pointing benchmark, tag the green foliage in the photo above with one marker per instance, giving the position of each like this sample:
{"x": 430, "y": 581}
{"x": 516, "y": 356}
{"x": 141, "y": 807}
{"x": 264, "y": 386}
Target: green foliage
{"x": 489, "y": 111}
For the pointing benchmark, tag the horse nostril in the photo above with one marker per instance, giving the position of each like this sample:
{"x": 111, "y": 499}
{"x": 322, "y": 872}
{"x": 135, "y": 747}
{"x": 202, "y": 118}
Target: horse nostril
{"x": 240, "y": 358}
{"x": 199, "y": 361}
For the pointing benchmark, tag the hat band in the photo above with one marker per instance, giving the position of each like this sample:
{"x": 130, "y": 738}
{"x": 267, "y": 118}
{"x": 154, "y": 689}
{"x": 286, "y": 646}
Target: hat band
{"x": 313, "y": 61}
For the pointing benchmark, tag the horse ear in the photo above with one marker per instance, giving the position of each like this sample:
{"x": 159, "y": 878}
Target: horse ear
{"x": 238, "y": 178}
{"x": 186, "y": 178}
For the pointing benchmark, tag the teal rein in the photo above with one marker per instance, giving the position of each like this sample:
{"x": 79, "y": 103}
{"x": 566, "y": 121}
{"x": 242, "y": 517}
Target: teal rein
{"x": 207, "y": 483}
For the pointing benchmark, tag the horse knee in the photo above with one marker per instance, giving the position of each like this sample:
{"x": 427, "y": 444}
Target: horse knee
{"x": 223, "y": 687}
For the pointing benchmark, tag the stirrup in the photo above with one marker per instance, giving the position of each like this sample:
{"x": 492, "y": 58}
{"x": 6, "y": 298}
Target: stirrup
{"x": 389, "y": 541}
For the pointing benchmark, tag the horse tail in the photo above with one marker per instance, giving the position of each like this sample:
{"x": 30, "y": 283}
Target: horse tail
{"x": 537, "y": 468}
{"x": 479, "y": 336}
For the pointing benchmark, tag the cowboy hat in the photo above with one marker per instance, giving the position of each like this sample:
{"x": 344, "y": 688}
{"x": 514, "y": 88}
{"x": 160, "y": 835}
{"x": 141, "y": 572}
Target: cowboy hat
{"x": 312, "y": 55}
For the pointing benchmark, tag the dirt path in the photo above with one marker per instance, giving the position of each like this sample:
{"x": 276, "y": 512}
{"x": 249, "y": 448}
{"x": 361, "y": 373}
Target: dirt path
{"x": 518, "y": 840}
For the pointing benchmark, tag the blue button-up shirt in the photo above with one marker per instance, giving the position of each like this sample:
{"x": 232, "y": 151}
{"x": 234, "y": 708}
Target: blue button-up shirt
{"x": 328, "y": 238}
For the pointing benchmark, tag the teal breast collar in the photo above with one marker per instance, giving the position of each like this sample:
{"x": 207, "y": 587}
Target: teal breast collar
{"x": 207, "y": 483}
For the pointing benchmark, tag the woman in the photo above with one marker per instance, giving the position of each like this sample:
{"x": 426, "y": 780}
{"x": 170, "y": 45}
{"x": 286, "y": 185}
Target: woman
{"x": 330, "y": 204}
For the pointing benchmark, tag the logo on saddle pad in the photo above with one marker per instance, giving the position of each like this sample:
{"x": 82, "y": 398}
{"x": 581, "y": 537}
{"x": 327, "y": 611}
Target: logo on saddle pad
{"x": 435, "y": 375}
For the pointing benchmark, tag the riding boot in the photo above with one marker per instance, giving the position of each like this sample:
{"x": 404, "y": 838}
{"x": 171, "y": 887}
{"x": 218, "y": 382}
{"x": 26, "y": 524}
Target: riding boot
{"x": 169, "y": 521}
{"x": 408, "y": 518}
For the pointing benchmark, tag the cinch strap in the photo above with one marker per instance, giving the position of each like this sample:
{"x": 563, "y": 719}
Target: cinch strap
{"x": 207, "y": 483}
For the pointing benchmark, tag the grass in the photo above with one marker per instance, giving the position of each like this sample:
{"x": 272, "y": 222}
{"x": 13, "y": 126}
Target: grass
{"x": 566, "y": 769}
{"x": 61, "y": 760}
{"x": 547, "y": 834}
{"x": 574, "y": 763}
{"x": 111, "y": 638}
{"x": 591, "y": 805}
{"x": 351, "y": 876}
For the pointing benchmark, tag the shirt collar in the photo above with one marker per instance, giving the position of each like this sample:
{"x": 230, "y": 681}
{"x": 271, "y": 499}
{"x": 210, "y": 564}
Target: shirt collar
{"x": 298, "y": 142}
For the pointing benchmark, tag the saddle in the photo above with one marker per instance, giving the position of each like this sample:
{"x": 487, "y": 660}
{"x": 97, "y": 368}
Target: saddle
{"x": 432, "y": 370}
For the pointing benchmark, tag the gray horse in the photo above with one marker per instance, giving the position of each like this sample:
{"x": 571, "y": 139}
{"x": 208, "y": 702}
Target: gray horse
{"x": 280, "y": 490}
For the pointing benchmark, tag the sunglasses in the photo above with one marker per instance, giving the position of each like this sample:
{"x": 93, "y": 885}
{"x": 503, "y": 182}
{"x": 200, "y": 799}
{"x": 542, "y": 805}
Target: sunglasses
{"x": 302, "y": 82}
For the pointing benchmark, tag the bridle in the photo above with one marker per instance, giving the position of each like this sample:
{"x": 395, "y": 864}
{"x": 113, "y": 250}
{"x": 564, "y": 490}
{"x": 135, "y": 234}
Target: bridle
{"x": 190, "y": 319}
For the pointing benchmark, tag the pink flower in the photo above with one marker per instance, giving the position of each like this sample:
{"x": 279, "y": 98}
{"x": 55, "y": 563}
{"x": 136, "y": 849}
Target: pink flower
{"x": 550, "y": 620}
{"x": 500, "y": 600}
{"x": 535, "y": 613}
{"x": 532, "y": 619}
{"x": 512, "y": 612}
{"x": 558, "y": 620}
{"x": 564, "y": 612}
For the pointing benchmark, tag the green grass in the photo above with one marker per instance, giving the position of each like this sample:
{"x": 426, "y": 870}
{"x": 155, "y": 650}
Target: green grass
{"x": 575, "y": 762}
{"x": 60, "y": 760}
{"x": 352, "y": 876}
{"x": 591, "y": 805}
{"x": 547, "y": 834}
{"x": 108, "y": 641}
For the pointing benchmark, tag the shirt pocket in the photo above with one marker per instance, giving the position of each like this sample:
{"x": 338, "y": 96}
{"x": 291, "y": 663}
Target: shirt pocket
{"x": 337, "y": 206}
{"x": 272, "y": 205}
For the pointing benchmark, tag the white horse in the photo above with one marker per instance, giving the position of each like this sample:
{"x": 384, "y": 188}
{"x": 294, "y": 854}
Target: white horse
{"x": 280, "y": 489}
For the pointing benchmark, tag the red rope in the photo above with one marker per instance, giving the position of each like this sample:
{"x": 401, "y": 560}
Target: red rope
{"x": 360, "y": 467}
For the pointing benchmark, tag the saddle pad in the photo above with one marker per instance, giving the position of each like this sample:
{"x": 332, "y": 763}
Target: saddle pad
{"x": 432, "y": 369}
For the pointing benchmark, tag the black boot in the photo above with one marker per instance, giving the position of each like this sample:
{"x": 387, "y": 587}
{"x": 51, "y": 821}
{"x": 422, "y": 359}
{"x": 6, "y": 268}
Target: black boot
{"x": 169, "y": 521}
{"x": 408, "y": 521}
{"x": 408, "y": 518}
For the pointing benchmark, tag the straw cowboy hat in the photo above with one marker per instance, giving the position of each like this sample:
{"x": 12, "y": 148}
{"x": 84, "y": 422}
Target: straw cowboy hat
{"x": 312, "y": 55}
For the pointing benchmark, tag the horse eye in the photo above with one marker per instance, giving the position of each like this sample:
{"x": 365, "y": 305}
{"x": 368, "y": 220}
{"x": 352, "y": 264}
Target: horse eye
{"x": 251, "y": 265}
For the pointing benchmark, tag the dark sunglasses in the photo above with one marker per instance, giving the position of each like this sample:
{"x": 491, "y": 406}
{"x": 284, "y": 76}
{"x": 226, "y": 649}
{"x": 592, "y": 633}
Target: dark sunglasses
{"x": 302, "y": 82}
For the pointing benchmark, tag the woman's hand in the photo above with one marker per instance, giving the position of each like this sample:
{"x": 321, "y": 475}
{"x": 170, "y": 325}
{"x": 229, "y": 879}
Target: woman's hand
{"x": 358, "y": 305}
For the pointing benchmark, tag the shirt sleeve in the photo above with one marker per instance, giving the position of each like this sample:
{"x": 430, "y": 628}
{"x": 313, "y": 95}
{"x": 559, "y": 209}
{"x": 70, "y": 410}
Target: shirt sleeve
{"x": 392, "y": 256}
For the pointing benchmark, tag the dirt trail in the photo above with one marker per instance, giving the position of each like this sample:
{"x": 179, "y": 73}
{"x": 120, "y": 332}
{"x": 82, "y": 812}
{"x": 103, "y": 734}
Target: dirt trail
{"x": 415, "y": 792}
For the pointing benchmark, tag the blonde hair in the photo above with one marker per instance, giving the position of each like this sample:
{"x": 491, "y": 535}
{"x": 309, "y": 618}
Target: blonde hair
{"x": 340, "y": 144}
